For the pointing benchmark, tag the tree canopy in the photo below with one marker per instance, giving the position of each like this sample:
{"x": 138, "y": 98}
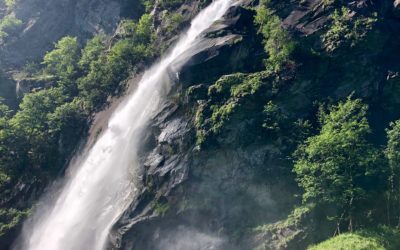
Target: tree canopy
{"x": 338, "y": 166}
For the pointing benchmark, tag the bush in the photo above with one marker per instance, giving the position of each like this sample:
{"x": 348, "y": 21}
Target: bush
{"x": 224, "y": 98}
{"x": 9, "y": 3}
{"x": 10, "y": 218}
{"x": 175, "y": 20}
{"x": 382, "y": 237}
{"x": 9, "y": 25}
{"x": 392, "y": 153}
{"x": 346, "y": 29}
{"x": 277, "y": 41}
{"x": 349, "y": 241}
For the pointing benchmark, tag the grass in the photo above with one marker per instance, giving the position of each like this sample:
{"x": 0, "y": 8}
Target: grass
{"x": 381, "y": 238}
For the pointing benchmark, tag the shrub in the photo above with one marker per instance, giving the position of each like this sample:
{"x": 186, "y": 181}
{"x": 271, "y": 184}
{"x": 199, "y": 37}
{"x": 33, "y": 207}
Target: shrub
{"x": 277, "y": 41}
{"x": 9, "y": 25}
{"x": 382, "y": 237}
{"x": 9, "y": 3}
{"x": 225, "y": 97}
{"x": 10, "y": 218}
{"x": 347, "y": 29}
{"x": 349, "y": 241}
{"x": 175, "y": 20}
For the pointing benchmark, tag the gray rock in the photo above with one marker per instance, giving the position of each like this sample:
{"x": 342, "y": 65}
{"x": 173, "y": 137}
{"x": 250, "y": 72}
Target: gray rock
{"x": 45, "y": 22}
{"x": 307, "y": 19}
{"x": 154, "y": 160}
{"x": 396, "y": 8}
{"x": 173, "y": 131}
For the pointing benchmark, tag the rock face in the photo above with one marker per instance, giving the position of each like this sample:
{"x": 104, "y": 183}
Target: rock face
{"x": 230, "y": 47}
{"x": 396, "y": 8}
{"x": 47, "y": 21}
{"x": 214, "y": 196}
{"x": 190, "y": 197}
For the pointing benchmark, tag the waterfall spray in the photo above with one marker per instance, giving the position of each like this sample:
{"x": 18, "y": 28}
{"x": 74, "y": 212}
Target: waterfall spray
{"x": 106, "y": 178}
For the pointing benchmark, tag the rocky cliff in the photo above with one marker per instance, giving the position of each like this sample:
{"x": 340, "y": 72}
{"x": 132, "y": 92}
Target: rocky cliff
{"x": 45, "y": 22}
{"x": 217, "y": 172}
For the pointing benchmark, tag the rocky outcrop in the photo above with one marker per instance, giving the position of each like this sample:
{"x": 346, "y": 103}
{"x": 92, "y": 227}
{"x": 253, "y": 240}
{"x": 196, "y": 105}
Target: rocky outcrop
{"x": 26, "y": 85}
{"x": 231, "y": 46}
{"x": 45, "y": 22}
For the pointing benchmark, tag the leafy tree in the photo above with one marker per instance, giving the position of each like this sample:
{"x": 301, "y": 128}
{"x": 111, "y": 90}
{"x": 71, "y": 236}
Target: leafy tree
{"x": 9, "y": 25}
{"x": 105, "y": 71}
{"x": 144, "y": 30}
{"x": 392, "y": 153}
{"x": 277, "y": 41}
{"x": 338, "y": 167}
{"x": 141, "y": 31}
{"x": 273, "y": 117}
{"x": 31, "y": 123}
{"x": 62, "y": 61}
{"x": 91, "y": 52}
{"x": 347, "y": 30}
{"x": 66, "y": 125}
{"x": 4, "y": 117}
{"x": 9, "y": 3}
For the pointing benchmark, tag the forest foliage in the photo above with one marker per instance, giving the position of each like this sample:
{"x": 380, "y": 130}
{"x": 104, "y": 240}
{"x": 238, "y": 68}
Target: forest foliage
{"x": 37, "y": 139}
{"x": 336, "y": 164}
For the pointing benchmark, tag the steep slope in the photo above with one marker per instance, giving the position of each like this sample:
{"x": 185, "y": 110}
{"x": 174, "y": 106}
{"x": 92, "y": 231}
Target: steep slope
{"x": 45, "y": 22}
{"x": 219, "y": 158}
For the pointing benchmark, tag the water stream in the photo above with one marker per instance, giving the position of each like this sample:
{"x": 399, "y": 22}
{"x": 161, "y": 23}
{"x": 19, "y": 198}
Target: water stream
{"x": 105, "y": 181}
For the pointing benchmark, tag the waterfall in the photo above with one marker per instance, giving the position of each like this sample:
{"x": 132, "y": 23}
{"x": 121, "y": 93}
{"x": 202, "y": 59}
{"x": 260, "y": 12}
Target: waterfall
{"x": 106, "y": 179}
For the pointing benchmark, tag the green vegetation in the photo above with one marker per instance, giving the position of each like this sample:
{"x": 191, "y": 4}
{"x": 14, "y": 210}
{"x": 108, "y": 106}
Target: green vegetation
{"x": 105, "y": 71}
{"x": 349, "y": 241}
{"x": 348, "y": 180}
{"x": 274, "y": 117}
{"x": 175, "y": 20}
{"x": 293, "y": 222}
{"x": 161, "y": 208}
{"x": 277, "y": 41}
{"x": 38, "y": 138}
{"x": 9, "y": 218}
{"x": 392, "y": 153}
{"x": 384, "y": 238}
{"x": 344, "y": 31}
{"x": 338, "y": 167}
{"x": 224, "y": 98}
{"x": 9, "y": 3}
{"x": 9, "y": 25}
{"x": 61, "y": 61}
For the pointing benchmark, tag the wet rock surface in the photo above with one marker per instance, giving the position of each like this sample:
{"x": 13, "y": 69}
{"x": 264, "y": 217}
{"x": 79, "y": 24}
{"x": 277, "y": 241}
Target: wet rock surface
{"x": 191, "y": 196}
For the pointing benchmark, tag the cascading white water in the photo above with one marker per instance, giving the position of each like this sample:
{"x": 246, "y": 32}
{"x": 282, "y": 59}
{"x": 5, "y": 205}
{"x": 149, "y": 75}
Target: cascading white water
{"x": 105, "y": 181}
